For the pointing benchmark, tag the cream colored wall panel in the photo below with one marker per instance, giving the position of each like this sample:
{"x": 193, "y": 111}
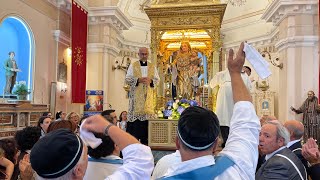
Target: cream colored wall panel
{"x": 96, "y": 3}
{"x": 94, "y": 71}
{"x": 251, "y": 6}
{"x": 93, "y": 34}
{"x": 43, "y": 7}
{"x": 248, "y": 32}
{"x": 138, "y": 36}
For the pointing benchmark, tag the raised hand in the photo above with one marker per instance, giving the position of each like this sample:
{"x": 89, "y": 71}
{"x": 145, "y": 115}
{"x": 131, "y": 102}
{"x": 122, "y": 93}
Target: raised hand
{"x": 95, "y": 123}
{"x": 311, "y": 152}
{"x": 26, "y": 171}
{"x": 235, "y": 65}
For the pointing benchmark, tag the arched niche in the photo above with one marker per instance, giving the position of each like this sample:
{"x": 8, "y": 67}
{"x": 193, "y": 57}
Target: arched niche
{"x": 16, "y": 36}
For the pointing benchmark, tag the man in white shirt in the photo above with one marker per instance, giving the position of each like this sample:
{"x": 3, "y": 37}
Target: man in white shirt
{"x": 103, "y": 160}
{"x": 164, "y": 163}
{"x": 224, "y": 105}
{"x": 198, "y": 131}
{"x": 61, "y": 153}
{"x": 142, "y": 77}
{"x": 138, "y": 161}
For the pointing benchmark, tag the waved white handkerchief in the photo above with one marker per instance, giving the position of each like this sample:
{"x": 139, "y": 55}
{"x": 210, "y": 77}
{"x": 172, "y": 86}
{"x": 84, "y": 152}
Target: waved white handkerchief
{"x": 88, "y": 137}
{"x": 259, "y": 64}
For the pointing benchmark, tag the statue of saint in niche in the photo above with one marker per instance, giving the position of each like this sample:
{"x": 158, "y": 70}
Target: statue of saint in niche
{"x": 11, "y": 67}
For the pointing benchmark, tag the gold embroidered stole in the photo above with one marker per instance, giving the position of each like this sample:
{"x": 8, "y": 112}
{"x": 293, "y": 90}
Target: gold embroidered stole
{"x": 144, "y": 94}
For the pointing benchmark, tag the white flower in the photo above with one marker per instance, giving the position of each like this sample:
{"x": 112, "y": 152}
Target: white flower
{"x": 175, "y": 105}
{"x": 23, "y": 82}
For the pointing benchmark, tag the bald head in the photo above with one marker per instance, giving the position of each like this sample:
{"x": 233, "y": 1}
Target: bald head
{"x": 295, "y": 129}
{"x": 266, "y": 118}
{"x": 143, "y": 53}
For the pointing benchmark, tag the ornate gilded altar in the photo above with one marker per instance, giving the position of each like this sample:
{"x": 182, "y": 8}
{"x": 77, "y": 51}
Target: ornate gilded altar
{"x": 195, "y": 21}
{"x": 173, "y": 21}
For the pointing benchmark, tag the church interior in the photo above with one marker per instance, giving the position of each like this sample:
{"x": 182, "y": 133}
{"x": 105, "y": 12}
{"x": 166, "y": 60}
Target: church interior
{"x": 38, "y": 36}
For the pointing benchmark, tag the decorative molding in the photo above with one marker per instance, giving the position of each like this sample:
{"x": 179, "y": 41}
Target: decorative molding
{"x": 64, "y": 5}
{"x": 130, "y": 45}
{"x": 61, "y": 37}
{"x": 280, "y": 9}
{"x": 102, "y": 48}
{"x": 264, "y": 41}
{"x": 241, "y": 25}
{"x": 241, "y": 17}
{"x": 83, "y": 4}
{"x": 109, "y": 15}
{"x": 297, "y": 41}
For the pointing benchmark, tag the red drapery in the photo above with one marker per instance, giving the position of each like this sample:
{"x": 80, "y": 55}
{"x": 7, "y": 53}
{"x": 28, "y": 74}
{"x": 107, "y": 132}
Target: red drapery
{"x": 79, "y": 53}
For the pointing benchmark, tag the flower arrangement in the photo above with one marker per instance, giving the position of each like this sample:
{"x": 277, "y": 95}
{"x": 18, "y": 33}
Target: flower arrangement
{"x": 21, "y": 89}
{"x": 174, "y": 109}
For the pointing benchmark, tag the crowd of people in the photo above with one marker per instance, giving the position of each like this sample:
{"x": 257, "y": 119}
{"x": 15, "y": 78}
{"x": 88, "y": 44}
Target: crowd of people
{"x": 98, "y": 147}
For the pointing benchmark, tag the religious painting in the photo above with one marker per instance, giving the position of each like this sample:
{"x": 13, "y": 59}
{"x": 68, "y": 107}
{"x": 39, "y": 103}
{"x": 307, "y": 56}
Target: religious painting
{"x": 94, "y": 102}
{"x": 62, "y": 74}
{"x": 265, "y": 105}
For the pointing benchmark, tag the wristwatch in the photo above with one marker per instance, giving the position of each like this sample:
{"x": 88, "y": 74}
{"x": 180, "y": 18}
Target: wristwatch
{"x": 107, "y": 129}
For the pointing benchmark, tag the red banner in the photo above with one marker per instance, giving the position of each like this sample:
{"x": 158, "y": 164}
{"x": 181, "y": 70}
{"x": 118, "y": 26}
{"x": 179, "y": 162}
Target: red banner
{"x": 79, "y": 53}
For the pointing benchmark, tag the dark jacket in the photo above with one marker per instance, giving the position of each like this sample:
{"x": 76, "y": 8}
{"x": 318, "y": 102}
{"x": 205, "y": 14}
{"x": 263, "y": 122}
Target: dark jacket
{"x": 314, "y": 172}
{"x": 280, "y": 168}
{"x": 296, "y": 148}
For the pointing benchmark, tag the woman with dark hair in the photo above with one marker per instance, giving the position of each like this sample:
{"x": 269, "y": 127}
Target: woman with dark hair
{"x": 44, "y": 123}
{"x": 7, "y": 158}
{"x": 60, "y": 115}
{"x": 123, "y": 120}
{"x": 47, "y": 114}
{"x": 26, "y": 139}
{"x": 10, "y": 149}
{"x": 62, "y": 124}
{"x": 104, "y": 159}
{"x": 6, "y": 166}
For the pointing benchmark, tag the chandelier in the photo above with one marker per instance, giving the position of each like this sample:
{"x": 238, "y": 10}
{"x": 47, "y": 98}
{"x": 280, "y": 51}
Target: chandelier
{"x": 237, "y": 2}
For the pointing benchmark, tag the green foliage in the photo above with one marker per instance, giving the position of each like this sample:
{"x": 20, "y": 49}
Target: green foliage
{"x": 21, "y": 89}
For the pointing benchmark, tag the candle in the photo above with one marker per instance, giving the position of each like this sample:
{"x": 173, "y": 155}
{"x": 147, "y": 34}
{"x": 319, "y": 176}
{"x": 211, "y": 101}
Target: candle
{"x": 170, "y": 59}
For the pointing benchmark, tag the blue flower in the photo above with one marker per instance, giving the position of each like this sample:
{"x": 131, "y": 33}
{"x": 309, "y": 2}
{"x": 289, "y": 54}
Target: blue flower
{"x": 167, "y": 113}
{"x": 184, "y": 101}
{"x": 180, "y": 109}
{"x": 193, "y": 103}
{"x": 169, "y": 103}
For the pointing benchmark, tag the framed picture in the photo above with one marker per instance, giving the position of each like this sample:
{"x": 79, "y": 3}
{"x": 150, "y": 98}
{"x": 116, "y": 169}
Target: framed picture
{"x": 62, "y": 74}
{"x": 94, "y": 101}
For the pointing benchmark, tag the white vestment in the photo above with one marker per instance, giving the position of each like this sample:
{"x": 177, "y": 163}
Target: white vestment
{"x": 224, "y": 105}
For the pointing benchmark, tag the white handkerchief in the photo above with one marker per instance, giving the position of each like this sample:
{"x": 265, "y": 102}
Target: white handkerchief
{"x": 259, "y": 64}
{"x": 88, "y": 137}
